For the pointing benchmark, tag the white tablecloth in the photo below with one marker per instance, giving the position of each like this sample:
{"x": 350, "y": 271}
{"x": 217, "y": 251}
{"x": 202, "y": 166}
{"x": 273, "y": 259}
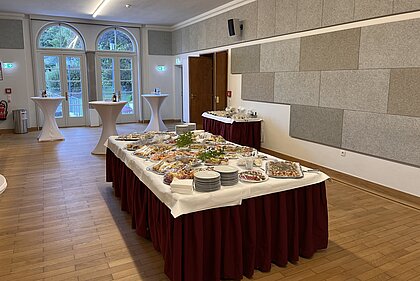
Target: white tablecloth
{"x": 229, "y": 120}
{"x": 180, "y": 204}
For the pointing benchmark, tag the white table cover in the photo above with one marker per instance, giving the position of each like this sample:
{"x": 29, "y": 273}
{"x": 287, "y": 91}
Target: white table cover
{"x": 48, "y": 105}
{"x": 108, "y": 111}
{"x": 180, "y": 204}
{"x": 155, "y": 102}
{"x": 229, "y": 120}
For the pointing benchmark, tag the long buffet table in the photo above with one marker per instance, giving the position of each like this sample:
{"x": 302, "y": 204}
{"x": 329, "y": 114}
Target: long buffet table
{"x": 244, "y": 132}
{"x": 224, "y": 234}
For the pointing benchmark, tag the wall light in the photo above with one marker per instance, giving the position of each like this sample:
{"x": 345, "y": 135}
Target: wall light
{"x": 100, "y": 7}
{"x": 161, "y": 68}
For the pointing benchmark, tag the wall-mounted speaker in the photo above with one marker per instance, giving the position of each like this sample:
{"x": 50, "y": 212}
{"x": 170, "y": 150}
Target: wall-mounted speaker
{"x": 235, "y": 27}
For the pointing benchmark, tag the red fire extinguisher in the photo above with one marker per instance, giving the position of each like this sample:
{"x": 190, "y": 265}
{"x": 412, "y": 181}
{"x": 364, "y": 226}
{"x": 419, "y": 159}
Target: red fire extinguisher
{"x": 3, "y": 110}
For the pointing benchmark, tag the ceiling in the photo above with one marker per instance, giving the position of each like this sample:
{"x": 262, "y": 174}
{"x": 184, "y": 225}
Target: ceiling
{"x": 156, "y": 12}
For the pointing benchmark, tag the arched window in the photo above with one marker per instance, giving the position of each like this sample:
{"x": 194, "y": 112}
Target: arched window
{"x": 116, "y": 40}
{"x": 60, "y": 36}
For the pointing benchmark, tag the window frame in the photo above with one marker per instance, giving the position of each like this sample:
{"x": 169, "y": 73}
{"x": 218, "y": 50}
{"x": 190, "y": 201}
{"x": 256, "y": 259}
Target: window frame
{"x": 72, "y": 28}
{"x": 123, "y": 30}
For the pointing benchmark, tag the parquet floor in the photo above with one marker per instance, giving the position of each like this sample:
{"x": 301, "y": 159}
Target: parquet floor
{"x": 59, "y": 220}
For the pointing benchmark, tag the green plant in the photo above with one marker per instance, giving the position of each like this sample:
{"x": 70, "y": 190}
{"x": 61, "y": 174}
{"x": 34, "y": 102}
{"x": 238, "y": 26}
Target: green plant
{"x": 185, "y": 139}
{"x": 210, "y": 153}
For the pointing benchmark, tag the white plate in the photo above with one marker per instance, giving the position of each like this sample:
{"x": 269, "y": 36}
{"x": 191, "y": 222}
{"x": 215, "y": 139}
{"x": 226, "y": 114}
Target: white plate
{"x": 225, "y": 169}
{"x": 207, "y": 175}
{"x": 253, "y": 181}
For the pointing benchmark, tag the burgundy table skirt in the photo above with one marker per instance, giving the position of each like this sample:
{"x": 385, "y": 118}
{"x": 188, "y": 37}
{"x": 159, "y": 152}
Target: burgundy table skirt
{"x": 228, "y": 242}
{"x": 243, "y": 133}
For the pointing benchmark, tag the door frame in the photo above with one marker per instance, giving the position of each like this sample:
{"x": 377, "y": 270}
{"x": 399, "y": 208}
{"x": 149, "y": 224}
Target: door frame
{"x": 64, "y": 122}
{"x": 129, "y": 118}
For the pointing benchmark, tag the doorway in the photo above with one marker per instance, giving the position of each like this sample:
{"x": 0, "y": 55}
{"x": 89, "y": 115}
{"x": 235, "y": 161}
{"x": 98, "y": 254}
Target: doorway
{"x": 179, "y": 85}
{"x": 64, "y": 75}
{"x": 116, "y": 76}
{"x": 208, "y": 84}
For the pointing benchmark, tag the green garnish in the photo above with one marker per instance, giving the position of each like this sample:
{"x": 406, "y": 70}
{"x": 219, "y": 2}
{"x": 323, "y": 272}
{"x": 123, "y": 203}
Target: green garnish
{"x": 185, "y": 139}
{"x": 210, "y": 153}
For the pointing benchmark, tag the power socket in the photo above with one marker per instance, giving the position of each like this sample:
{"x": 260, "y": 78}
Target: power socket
{"x": 342, "y": 153}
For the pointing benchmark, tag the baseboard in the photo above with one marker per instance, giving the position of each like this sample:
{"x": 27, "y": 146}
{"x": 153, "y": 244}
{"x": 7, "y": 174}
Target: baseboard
{"x": 368, "y": 186}
{"x": 166, "y": 120}
{"x": 11, "y": 131}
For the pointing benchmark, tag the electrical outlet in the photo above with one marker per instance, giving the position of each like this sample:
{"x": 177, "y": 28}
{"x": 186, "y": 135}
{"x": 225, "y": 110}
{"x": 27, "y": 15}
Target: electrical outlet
{"x": 342, "y": 153}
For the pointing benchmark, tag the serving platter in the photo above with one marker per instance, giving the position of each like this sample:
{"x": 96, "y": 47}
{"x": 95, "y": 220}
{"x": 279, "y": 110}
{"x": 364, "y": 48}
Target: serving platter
{"x": 284, "y": 169}
{"x": 253, "y": 176}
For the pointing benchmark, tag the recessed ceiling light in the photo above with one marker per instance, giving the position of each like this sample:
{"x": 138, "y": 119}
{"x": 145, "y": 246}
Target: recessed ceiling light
{"x": 127, "y": 5}
{"x": 100, "y": 7}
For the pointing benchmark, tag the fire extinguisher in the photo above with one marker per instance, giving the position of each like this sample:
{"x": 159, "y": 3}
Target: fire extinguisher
{"x": 3, "y": 110}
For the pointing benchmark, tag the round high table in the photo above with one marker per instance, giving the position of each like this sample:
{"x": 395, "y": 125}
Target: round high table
{"x": 155, "y": 101}
{"x": 48, "y": 105}
{"x": 108, "y": 111}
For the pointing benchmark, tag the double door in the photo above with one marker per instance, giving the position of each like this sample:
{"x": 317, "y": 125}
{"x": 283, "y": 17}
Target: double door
{"x": 115, "y": 74}
{"x": 64, "y": 76}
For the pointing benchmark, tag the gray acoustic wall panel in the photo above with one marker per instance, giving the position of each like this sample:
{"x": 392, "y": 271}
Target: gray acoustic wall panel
{"x": 316, "y": 124}
{"x": 401, "y": 6}
{"x": 286, "y": 13}
{"x": 387, "y": 136}
{"x": 364, "y": 9}
{"x": 365, "y": 90}
{"x": 258, "y": 87}
{"x": 390, "y": 45}
{"x": 330, "y": 51}
{"x": 297, "y": 88}
{"x": 186, "y": 39}
{"x": 177, "y": 41}
{"x": 309, "y": 14}
{"x": 337, "y": 11}
{"x": 280, "y": 56}
{"x": 245, "y": 59}
{"x": 160, "y": 42}
{"x": 404, "y": 92}
{"x": 201, "y": 35}
{"x": 194, "y": 34}
{"x": 12, "y": 34}
{"x": 211, "y": 31}
{"x": 266, "y": 25}
{"x": 248, "y": 14}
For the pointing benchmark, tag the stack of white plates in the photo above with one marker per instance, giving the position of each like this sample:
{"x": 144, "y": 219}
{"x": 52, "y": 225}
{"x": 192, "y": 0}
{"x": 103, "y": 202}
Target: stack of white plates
{"x": 181, "y": 129}
{"x": 191, "y": 126}
{"x": 206, "y": 181}
{"x": 228, "y": 174}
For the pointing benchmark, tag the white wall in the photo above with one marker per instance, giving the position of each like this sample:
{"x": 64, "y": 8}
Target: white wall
{"x": 397, "y": 176}
{"x": 18, "y": 78}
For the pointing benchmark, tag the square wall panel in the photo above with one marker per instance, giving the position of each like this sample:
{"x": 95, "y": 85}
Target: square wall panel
{"x": 316, "y": 124}
{"x": 390, "y": 45}
{"x": 258, "y": 87}
{"x": 330, "y": 51}
{"x": 280, "y": 56}
{"x": 364, "y": 9}
{"x": 309, "y": 14}
{"x": 401, "y": 6}
{"x": 266, "y": 24}
{"x": 383, "y": 135}
{"x": 337, "y": 11}
{"x": 404, "y": 92}
{"x": 297, "y": 88}
{"x": 365, "y": 90}
{"x": 286, "y": 14}
{"x": 245, "y": 59}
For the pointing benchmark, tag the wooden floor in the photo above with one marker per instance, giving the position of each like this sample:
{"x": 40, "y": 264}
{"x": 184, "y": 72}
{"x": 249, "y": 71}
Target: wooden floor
{"x": 59, "y": 220}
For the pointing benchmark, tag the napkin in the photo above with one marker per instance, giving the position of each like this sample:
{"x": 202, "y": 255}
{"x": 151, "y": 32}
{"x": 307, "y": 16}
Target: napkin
{"x": 182, "y": 186}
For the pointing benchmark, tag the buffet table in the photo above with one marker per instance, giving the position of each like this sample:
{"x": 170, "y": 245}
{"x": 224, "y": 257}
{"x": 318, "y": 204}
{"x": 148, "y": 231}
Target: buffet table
{"x": 223, "y": 234}
{"x": 244, "y": 132}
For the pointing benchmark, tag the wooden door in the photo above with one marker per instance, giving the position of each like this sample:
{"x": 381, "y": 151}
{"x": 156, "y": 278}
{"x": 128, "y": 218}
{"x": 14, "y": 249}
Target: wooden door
{"x": 201, "y": 87}
{"x": 220, "y": 83}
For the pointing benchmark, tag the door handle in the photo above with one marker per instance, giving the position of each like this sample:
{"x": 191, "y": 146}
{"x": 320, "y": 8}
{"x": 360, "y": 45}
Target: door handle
{"x": 193, "y": 96}
{"x": 67, "y": 96}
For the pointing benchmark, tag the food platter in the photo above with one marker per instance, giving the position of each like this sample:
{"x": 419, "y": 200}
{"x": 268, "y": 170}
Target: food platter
{"x": 253, "y": 176}
{"x": 284, "y": 169}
